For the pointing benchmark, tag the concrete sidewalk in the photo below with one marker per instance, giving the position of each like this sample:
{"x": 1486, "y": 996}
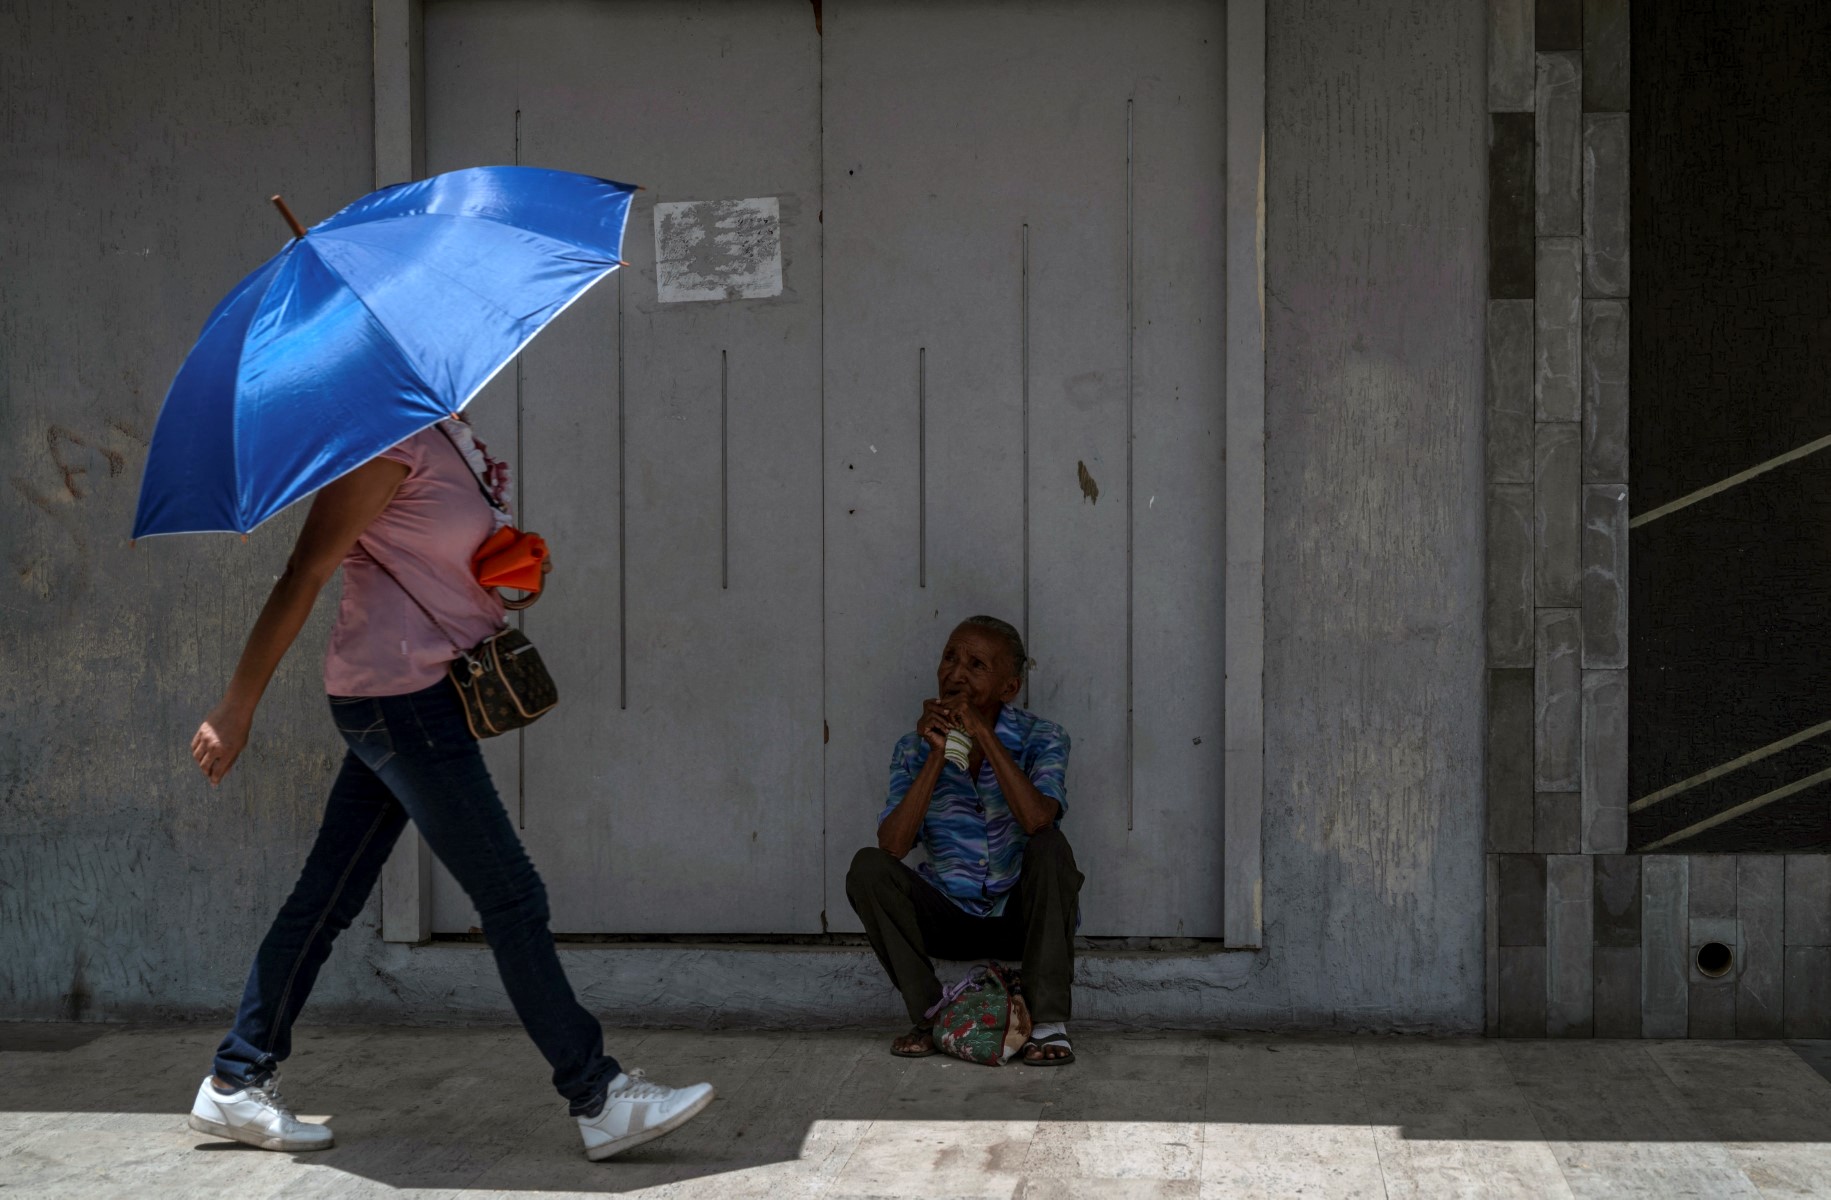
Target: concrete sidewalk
{"x": 96, "y": 1111}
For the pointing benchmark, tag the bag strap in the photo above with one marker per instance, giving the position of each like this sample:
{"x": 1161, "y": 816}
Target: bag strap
{"x": 493, "y": 503}
{"x": 470, "y": 470}
{"x": 512, "y": 605}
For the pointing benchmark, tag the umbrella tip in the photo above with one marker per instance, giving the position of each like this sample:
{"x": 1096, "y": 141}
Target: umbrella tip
{"x": 298, "y": 230}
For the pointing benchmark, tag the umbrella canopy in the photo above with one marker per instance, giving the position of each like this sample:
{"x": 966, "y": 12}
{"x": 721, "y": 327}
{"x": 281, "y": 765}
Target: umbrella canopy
{"x": 367, "y": 328}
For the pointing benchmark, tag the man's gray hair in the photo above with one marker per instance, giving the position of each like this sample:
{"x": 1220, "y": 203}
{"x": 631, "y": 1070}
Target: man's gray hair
{"x": 1006, "y": 632}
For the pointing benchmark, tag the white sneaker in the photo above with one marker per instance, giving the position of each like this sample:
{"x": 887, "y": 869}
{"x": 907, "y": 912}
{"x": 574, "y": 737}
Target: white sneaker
{"x": 637, "y": 1111}
{"x": 255, "y": 1115}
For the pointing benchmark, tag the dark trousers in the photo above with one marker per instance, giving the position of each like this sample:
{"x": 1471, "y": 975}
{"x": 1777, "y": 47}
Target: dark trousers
{"x": 908, "y": 921}
{"x": 414, "y": 757}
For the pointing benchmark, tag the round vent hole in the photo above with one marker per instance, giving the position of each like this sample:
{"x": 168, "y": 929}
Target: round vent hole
{"x": 1714, "y": 959}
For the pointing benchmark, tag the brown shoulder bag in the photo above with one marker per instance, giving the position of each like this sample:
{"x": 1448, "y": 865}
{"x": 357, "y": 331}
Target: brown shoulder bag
{"x": 501, "y": 680}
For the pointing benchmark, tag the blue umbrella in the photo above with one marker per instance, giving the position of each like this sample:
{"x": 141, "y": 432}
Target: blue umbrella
{"x": 365, "y": 329}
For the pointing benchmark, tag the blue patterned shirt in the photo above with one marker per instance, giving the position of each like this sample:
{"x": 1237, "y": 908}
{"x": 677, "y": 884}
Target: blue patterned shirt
{"x": 974, "y": 844}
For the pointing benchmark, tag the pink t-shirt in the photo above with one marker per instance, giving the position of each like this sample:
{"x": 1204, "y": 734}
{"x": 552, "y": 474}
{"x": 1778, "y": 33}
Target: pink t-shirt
{"x": 383, "y": 645}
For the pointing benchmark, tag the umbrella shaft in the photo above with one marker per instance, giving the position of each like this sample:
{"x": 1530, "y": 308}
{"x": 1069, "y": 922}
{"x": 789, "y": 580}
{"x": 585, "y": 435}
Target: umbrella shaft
{"x": 298, "y": 230}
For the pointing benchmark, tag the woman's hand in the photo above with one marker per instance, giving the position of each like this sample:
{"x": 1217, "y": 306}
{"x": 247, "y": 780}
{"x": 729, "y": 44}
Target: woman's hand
{"x": 219, "y": 741}
{"x": 963, "y": 716}
{"x": 338, "y": 517}
{"x": 933, "y": 724}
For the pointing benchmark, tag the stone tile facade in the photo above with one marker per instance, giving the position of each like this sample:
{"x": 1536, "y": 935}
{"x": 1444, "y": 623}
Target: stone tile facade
{"x": 1585, "y": 939}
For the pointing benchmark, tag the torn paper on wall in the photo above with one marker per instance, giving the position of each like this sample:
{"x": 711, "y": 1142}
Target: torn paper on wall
{"x": 718, "y": 249}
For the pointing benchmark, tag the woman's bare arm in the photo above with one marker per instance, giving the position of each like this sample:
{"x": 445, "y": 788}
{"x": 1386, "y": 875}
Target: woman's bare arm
{"x": 342, "y": 510}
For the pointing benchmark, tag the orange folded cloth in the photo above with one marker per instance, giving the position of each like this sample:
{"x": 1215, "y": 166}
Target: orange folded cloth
{"x": 510, "y": 559}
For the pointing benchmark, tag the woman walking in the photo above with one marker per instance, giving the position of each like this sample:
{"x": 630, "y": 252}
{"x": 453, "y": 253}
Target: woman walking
{"x": 404, "y": 527}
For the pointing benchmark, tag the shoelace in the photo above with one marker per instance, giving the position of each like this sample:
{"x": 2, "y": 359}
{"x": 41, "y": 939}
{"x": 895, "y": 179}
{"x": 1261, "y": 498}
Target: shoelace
{"x": 639, "y": 1088}
{"x": 269, "y": 1089}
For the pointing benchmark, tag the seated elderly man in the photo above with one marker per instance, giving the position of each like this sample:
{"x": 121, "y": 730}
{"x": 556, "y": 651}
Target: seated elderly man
{"x": 1000, "y": 880}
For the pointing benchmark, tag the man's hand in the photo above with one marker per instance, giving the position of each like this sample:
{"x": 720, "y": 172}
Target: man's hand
{"x": 934, "y": 723}
{"x": 219, "y": 741}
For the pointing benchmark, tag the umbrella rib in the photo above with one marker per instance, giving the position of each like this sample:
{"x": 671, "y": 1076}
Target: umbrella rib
{"x": 375, "y": 317}
{"x": 241, "y": 357}
{"x": 456, "y": 281}
{"x": 235, "y": 409}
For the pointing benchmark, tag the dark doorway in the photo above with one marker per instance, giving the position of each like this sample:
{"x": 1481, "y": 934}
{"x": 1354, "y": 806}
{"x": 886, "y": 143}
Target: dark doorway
{"x": 1730, "y": 427}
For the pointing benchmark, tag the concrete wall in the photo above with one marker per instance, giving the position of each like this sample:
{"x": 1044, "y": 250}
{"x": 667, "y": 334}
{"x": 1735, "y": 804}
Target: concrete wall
{"x": 1374, "y": 280}
{"x": 136, "y": 164}
{"x": 138, "y": 146}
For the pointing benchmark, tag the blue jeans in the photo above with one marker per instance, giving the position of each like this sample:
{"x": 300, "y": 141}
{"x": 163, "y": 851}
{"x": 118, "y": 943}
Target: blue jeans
{"x": 414, "y": 757}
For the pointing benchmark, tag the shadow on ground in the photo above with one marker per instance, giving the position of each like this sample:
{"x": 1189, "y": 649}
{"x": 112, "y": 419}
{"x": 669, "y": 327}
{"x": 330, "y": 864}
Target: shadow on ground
{"x": 468, "y": 1109}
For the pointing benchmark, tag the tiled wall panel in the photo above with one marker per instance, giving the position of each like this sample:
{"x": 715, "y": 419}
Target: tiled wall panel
{"x": 1711, "y": 890}
{"x": 1557, "y": 515}
{"x": 1808, "y": 899}
{"x": 1522, "y": 900}
{"x": 1522, "y": 991}
{"x": 1605, "y": 55}
{"x": 1761, "y": 921}
{"x": 1617, "y": 904}
{"x": 1558, "y": 25}
{"x": 1664, "y": 932}
{"x": 1570, "y": 945}
{"x": 1711, "y": 901}
{"x": 1557, "y": 321}
{"x": 1558, "y": 156}
{"x": 1510, "y": 203}
{"x": 1605, "y": 391}
{"x": 1605, "y": 576}
{"x": 1557, "y": 826}
{"x": 1491, "y": 943}
{"x": 1618, "y": 966}
{"x": 1510, "y": 794}
{"x": 1712, "y": 1011}
{"x": 1605, "y": 762}
{"x": 1509, "y": 401}
{"x": 1510, "y": 567}
{"x": 1511, "y": 62}
{"x": 1605, "y": 204}
{"x": 1617, "y": 991}
{"x": 1808, "y": 992}
{"x": 1558, "y": 700}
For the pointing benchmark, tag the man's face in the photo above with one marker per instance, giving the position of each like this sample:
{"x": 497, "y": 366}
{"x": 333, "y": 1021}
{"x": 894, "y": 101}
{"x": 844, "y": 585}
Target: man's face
{"x": 976, "y": 666}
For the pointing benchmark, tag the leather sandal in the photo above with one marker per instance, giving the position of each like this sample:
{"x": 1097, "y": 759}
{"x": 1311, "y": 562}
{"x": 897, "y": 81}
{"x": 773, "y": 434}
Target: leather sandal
{"x": 1042, "y": 1058}
{"x": 916, "y": 1031}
